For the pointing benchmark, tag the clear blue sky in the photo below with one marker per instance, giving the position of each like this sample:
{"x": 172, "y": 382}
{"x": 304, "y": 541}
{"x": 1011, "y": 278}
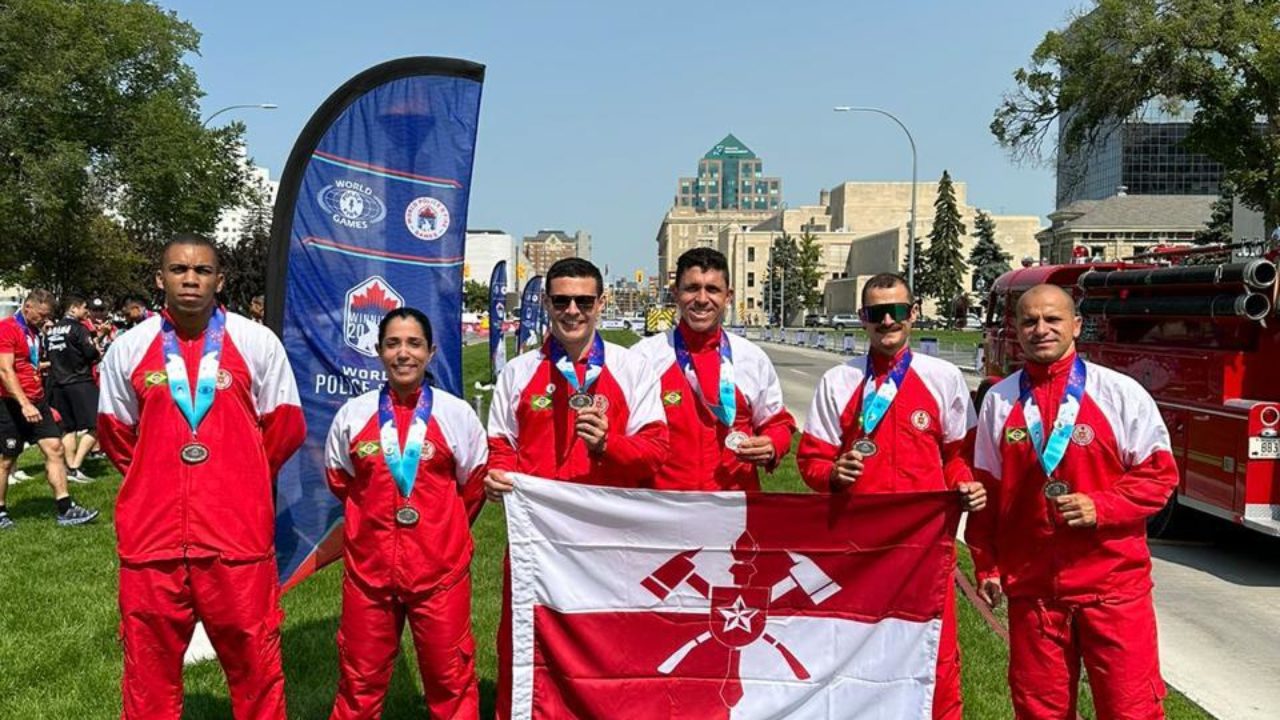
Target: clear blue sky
{"x": 593, "y": 109}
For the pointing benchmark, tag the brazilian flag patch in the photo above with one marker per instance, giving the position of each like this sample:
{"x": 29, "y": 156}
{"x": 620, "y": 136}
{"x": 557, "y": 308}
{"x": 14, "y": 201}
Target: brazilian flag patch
{"x": 671, "y": 398}
{"x": 1015, "y": 435}
{"x": 365, "y": 449}
{"x": 156, "y": 377}
{"x": 540, "y": 402}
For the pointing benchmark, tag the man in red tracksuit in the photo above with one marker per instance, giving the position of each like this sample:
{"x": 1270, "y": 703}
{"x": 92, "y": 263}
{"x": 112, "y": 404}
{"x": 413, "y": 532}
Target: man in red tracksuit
{"x": 198, "y": 410}
{"x": 720, "y": 392}
{"x": 577, "y": 409}
{"x": 896, "y": 422}
{"x": 1076, "y": 457}
{"x": 406, "y": 537}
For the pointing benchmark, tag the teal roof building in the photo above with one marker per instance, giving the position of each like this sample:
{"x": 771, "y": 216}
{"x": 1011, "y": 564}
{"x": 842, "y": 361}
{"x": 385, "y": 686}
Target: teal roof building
{"x": 730, "y": 177}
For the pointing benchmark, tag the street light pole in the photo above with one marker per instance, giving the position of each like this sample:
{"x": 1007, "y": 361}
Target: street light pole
{"x": 911, "y": 228}
{"x": 259, "y": 106}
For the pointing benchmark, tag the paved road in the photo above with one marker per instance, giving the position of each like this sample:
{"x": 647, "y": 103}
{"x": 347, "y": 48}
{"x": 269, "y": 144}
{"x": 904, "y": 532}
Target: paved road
{"x": 1218, "y": 597}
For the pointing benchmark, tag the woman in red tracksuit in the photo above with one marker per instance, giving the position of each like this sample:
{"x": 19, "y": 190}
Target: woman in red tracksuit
{"x": 400, "y": 458}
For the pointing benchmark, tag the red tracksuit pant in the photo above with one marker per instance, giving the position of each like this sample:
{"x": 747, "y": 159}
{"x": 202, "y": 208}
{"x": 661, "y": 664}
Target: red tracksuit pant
{"x": 369, "y": 639}
{"x": 239, "y": 604}
{"x": 1116, "y": 641}
{"x": 948, "y": 702}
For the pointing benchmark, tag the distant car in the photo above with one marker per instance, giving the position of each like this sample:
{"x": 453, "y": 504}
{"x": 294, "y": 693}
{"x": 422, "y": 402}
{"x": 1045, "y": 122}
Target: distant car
{"x": 845, "y": 321}
{"x": 814, "y": 320}
{"x": 925, "y": 323}
{"x": 972, "y": 322}
{"x": 613, "y": 324}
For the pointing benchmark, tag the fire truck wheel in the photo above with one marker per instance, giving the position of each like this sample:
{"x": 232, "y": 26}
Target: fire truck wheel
{"x": 1172, "y": 521}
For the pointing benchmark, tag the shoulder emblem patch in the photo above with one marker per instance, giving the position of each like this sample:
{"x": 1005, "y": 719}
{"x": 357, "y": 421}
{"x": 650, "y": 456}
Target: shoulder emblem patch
{"x": 428, "y": 450}
{"x": 1082, "y": 435}
{"x": 156, "y": 377}
{"x": 540, "y": 402}
{"x": 920, "y": 419}
{"x": 601, "y": 402}
{"x": 365, "y": 449}
{"x": 224, "y": 379}
{"x": 1015, "y": 435}
{"x": 672, "y": 398}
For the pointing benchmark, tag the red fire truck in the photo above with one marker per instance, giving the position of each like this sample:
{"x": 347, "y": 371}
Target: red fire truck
{"x": 1203, "y": 337}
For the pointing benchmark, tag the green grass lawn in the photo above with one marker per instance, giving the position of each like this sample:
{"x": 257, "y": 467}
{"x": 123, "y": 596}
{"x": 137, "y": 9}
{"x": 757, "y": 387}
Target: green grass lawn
{"x": 59, "y": 657}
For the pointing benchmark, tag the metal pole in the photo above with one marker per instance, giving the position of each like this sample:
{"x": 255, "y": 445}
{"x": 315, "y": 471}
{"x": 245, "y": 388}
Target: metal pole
{"x": 911, "y": 227}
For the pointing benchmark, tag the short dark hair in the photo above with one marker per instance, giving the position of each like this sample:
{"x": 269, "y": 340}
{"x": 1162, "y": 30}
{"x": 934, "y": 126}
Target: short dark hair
{"x": 40, "y": 296}
{"x": 195, "y": 239}
{"x": 705, "y": 259}
{"x": 884, "y": 281}
{"x": 405, "y": 313}
{"x": 574, "y": 267}
{"x": 133, "y": 300}
{"x": 71, "y": 301}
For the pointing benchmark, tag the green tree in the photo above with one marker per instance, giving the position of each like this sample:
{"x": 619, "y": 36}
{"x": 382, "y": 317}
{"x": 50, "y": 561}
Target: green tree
{"x": 102, "y": 154}
{"x": 1218, "y": 228}
{"x": 921, "y": 268}
{"x": 1218, "y": 61}
{"x": 475, "y": 296}
{"x": 245, "y": 262}
{"x": 987, "y": 259}
{"x": 809, "y": 270}
{"x": 945, "y": 265}
{"x": 783, "y": 290}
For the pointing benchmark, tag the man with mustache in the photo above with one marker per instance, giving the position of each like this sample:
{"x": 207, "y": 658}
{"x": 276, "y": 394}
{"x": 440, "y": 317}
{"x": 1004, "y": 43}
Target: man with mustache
{"x": 894, "y": 421}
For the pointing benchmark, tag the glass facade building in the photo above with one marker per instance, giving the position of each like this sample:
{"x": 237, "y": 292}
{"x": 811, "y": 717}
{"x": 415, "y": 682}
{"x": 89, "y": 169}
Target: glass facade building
{"x": 730, "y": 177}
{"x": 1145, "y": 158}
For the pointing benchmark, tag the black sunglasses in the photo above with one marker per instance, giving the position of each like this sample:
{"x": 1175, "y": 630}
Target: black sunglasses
{"x": 584, "y": 302}
{"x": 874, "y": 314}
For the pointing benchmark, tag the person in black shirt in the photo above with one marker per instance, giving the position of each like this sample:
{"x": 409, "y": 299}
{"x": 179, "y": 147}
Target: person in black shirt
{"x": 73, "y": 390}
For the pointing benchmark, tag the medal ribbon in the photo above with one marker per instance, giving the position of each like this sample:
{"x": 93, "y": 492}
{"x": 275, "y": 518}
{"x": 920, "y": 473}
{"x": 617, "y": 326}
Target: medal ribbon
{"x": 727, "y": 408}
{"x": 877, "y": 400}
{"x": 595, "y": 364}
{"x": 33, "y": 340}
{"x": 194, "y": 409}
{"x": 1051, "y": 451}
{"x": 403, "y": 462}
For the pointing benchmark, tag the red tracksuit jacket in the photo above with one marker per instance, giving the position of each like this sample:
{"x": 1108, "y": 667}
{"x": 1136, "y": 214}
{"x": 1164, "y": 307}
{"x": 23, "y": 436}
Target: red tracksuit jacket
{"x": 1118, "y": 455}
{"x": 922, "y": 442}
{"x": 531, "y": 423}
{"x": 223, "y": 507}
{"x": 378, "y": 553}
{"x": 698, "y": 459}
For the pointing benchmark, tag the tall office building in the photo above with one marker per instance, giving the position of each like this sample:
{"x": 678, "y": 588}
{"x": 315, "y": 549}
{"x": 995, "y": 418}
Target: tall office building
{"x": 1143, "y": 156}
{"x": 730, "y": 177}
{"x": 547, "y": 246}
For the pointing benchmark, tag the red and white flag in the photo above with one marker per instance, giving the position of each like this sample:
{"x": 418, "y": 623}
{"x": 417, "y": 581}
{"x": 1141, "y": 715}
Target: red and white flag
{"x": 642, "y": 604}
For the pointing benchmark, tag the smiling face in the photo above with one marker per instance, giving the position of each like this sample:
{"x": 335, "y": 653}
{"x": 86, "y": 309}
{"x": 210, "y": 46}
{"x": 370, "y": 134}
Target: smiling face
{"x": 702, "y": 296}
{"x": 881, "y": 309}
{"x": 405, "y": 353}
{"x": 1047, "y": 323}
{"x": 573, "y": 306}
{"x": 190, "y": 278}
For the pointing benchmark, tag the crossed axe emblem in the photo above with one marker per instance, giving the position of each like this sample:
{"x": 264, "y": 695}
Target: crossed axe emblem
{"x": 739, "y": 605}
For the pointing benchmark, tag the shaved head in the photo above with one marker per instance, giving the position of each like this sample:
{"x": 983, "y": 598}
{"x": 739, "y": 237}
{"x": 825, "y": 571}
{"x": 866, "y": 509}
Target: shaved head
{"x": 1047, "y": 323}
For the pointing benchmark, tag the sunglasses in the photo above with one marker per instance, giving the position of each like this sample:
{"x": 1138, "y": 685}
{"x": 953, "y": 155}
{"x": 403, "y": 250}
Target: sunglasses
{"x": 874, "y": 314}
{"x": 561, "y": 302}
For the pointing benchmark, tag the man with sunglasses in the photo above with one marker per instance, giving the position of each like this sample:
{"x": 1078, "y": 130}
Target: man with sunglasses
{"x": 894, "y": 421}
{"x": 1076, "y": 457}
{"x": 720, "y": 392}
{"x": 576, "y": 409}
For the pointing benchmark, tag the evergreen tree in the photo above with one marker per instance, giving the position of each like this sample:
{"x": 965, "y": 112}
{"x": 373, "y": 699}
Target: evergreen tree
{"x": 946, "y": 263}
{"x": 1218, "y": 228}
{"x": 245, "y": 262}
{"x": 987, "y": 259}
{"x": 920, "y": 278}
{"x": 809, "y": 270}
{"x": 784, "y": 290}
{"x": 475, "y": 296}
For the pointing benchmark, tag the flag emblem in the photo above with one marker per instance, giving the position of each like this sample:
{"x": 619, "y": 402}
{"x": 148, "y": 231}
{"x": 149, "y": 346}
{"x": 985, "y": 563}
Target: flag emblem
{"x": 365, "y": 449}
{"x": 672, "y": 398}
{"x": 540, "y": 402}
{"x": 1015, "y": 435}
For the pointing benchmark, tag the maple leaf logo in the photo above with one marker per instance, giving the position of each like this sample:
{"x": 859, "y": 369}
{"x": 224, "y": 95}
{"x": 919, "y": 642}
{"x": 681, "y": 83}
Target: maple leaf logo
{"x": 375, "y": 299}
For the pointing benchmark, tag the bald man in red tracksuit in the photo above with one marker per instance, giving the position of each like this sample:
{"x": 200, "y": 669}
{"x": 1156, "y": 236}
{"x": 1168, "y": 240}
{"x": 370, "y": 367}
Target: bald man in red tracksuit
{"x": 196, "y": 540}
{"x": 699, "y": 458}
{"x": 922, "y": 444}
{"x": 1075, "y": 593}
{"x": 397, "y": 571}
{"x": 531, "y": 430}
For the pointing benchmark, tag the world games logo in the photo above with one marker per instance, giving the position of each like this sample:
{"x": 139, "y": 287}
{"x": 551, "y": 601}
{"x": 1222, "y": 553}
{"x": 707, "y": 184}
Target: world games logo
{"x": 351, "y": 204}
{"x": 365, "y": 306}
{"x": 427, "y": 218}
